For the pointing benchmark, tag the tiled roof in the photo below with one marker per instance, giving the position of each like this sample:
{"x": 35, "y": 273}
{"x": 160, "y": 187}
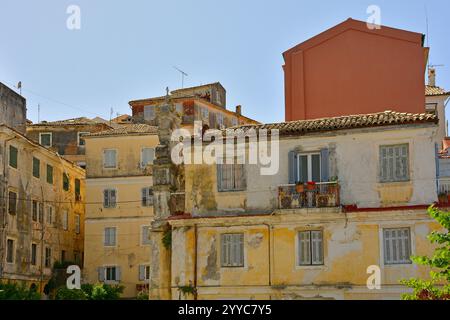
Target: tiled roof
{"x": 74, "y": 121}
{"x": 435, "y": 91}
{"x": 385, "y": 118}
{"x": 127, "y": 129}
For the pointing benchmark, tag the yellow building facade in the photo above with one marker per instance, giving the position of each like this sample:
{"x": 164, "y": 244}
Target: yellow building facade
{"x": 119, "y": 206}
{"x": 355, "y": 219}
{"x": 42, "y": 210}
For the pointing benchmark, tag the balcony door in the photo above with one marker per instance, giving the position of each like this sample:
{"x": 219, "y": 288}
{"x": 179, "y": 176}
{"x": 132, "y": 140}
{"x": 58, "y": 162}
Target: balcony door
{"x": 308, "y": 167}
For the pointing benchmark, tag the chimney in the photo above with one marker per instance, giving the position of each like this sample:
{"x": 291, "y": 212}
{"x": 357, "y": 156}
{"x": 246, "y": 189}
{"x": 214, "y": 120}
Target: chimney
{"x": 239, "y": 109}
{"x": 432, "y": 77}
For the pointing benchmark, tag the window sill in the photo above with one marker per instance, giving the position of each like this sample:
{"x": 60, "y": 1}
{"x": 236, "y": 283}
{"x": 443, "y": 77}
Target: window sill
{"x": 312, "y": 267}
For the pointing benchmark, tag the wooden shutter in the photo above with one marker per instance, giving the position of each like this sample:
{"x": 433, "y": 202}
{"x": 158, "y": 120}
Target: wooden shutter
{"x": 292, "y": 167}
{"x": 141, "y": 273}
{"x": 113, "y": 198}
{"x": 105, "y": 198}
{"x": 219, "y": 177}
{"x": 304, "y": 248}
{"x": 324, "y": 165}
{"x": 101, "y": 274}
{"x": 317, "y": 247}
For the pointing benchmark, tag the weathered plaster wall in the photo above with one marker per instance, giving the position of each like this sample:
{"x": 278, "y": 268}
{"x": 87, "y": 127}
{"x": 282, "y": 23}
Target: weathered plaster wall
{"x": 13, "y": 110}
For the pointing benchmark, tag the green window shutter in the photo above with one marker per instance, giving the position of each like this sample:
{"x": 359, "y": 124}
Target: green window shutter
{"x": 13, "y": 154}
{"x": 36, "y": 167}
{"x": 49, "y": 174}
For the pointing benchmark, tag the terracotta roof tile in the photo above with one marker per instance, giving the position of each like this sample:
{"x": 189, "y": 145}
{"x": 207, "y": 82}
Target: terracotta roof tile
{"x": 435, "y": 91}
{"x": 127, "y": 129}
{"x": 385, "y": 118}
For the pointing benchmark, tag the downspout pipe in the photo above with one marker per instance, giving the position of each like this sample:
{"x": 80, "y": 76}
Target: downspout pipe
{"x": 269, "y": 249}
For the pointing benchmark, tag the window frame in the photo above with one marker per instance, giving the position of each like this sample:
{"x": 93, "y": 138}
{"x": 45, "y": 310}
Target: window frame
{"x": 12, "y": 253}
{"x": 48, "y": 258}
{"x": 149, "y": 199}
{"x": 116, "y": 274}
{"x": 50, "y": 213}
{"x": 309, "y": 169}
{"x": 51, "y": 139}
{"x": 105, "y": 244}
{"x": 383, "y": 245}
{"x": 109, "y": 206}
{"x": 66, "y": 177}
{"x": 38, "y": 162}
{"x": 115, "y": 159}
{"x": 65, "y": 220}
{"x": 230, "y": 263}
{"x": 380, "y": 164}
{"x": 142, "y": 157}
{"x": 33, "y": 258}
{"x": 219, "y": 175}
{"x": 10, "y": 164}
{"x": 77, "y": 223}
{"x": 15, "y": 202}
{"x": 79, "y": 133}
{"x": 51, "y": 180}
{"x": 145, "y": 242}
{"x": 311, "y": 263}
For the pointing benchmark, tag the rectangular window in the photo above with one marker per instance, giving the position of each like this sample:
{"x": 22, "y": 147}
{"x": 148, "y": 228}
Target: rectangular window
{"x": 49, "y": 215}
{"x": 45, "y": 139}
{"x": 66, "y": 182}
{"x": 41, "y": 213}
{"x": 110, "y": 237}
{"x": 308, "y": 167}
{"x": 12, "y": 202}
{"x": 48, "y": 257}
{"x": 81, "y": 141}
{"x": 10, "y": 251}
{"x": 65, "y": 220}
{"x": 77, "y": 223}
{"x": 232, "y": 250}
{"x": 109, "y": 159}
{"x": 147, "y": 156}
{"x": 144, "y": 272}
{"x": 36, "y": 167}
{"x": 109, "y": 198}
{"x": 34, "y": 210}
{"x": 77, "y": 190}
{"x": 149, "y": 113}
{"x": 397, "y": 246}
{"x": 145, "y": 235}
{"x": 310, "y": 248}
{"x": 49, "y": 174}
{"x": 231, "y": 177}
{"x": 33, "y": 254}
{"x": 394, "y": 163}
{"x": 147, "y": 197}
{"x": 111, "y": 274}
{"x": 13, "y": 153}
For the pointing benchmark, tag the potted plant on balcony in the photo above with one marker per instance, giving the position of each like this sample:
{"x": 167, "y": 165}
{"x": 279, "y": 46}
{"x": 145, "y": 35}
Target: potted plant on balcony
{"x": 333, "y": 187}
{"x": 311, "y": 186}
{"x": 300, "y": 187}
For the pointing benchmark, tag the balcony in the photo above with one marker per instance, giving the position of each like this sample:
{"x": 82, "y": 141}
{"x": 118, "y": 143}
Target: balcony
{"x": 319, "y": 195}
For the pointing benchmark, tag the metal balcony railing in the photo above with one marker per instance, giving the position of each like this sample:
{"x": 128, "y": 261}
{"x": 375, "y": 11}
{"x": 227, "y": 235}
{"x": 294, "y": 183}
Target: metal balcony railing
{"x": 319, "y": 195}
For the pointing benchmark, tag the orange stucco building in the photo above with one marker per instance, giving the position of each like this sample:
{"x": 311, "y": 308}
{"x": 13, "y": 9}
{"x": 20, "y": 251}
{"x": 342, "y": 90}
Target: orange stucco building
{"x": 351, "y": 69}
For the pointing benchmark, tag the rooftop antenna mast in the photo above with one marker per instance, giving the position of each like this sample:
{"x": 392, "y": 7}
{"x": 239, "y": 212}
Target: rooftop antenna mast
{"x": 183, "y": 74}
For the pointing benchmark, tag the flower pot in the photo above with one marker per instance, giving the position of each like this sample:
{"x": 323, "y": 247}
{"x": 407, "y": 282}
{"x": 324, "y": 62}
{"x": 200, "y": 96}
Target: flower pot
{"x": 299, "y": 188}
{"x": 310, "y": 187}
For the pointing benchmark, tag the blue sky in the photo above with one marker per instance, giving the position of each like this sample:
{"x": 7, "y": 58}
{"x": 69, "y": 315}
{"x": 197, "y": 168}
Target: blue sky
{"x": 127, "y": 49}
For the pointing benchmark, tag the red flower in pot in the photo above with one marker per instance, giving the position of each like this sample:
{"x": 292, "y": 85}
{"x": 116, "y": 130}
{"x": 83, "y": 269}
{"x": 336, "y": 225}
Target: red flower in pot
{"x": 311, "y": 185}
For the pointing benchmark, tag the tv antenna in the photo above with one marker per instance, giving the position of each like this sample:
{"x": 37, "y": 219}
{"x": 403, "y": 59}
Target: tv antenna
{"x": 183, "y": 74}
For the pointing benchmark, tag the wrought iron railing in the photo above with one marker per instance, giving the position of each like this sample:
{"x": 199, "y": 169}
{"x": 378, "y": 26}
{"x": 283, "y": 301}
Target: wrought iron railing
{"x": 318, "y": 195}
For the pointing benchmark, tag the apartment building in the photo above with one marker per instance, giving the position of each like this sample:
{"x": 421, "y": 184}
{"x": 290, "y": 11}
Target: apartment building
{"x": 351, "y": 192}
{"x": 41, "y": 211}
{"x": 119, "y": 206}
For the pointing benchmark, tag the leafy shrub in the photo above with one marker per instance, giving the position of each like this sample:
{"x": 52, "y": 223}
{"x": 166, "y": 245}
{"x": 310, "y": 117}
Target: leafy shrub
{"x": 14, "y": 291}
{"x": 63, "y": 293}
{"x": 142, "y": 295}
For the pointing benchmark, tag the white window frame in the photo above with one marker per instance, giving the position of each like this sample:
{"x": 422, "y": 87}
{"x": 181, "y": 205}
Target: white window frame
{"x": 145, "y": 242}
{"x": 142, "y": 157}
{"x": 107, "y": 243}
{"x": 115, "y": 158}
{"x": 105, "y": 270}
{"x": 50, "y": 215}
{"x": 309, "y": 156}
{"x": 110, "y": 206}
{"x": 149, "y": 198}
{"x": 79, "y": 134}
{"x": 51, "y": 138}
{"x": 234, "y": 237}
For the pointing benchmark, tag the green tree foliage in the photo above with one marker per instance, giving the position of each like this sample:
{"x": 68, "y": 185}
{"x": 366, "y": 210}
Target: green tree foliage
{"x": 70, "y": 294}
{"x": 438, "y": 287}
{"x": 14, "y": 291}
{"x": 90, "y": 292}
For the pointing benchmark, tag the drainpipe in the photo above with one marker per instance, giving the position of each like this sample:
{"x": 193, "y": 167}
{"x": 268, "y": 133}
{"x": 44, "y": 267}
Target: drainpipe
{"x": 195, "y": 260}
{"x": 5, "y": 214}
{"x": 269, "y": 253}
